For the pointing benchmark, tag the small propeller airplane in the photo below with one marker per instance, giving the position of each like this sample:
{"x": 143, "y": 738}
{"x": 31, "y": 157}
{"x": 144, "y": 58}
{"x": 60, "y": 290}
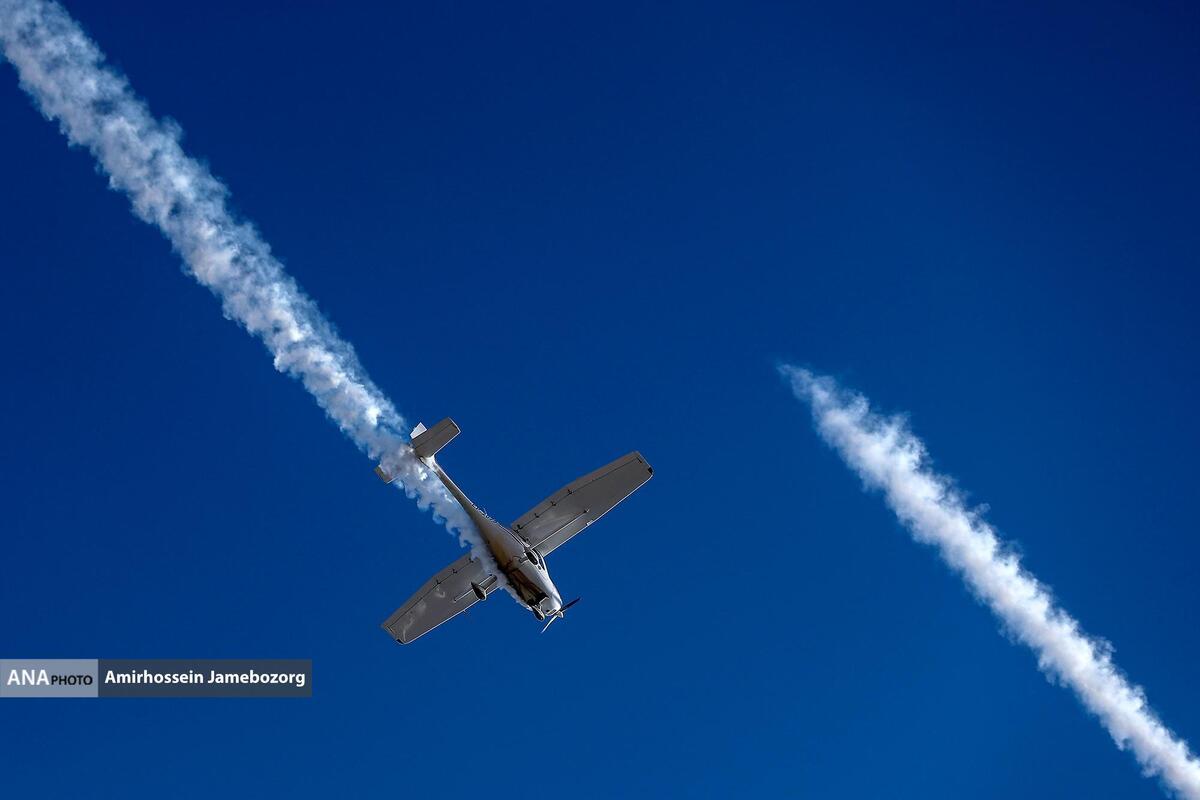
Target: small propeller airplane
{"x": 519, "y": 550}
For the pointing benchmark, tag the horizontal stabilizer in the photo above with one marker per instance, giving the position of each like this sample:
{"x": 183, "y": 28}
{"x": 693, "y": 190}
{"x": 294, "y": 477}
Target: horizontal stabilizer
{"x": 426, "y": 443}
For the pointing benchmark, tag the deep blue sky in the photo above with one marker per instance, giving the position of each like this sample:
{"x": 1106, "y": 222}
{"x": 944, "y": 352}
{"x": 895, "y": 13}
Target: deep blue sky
{"x": 580, "y": 232}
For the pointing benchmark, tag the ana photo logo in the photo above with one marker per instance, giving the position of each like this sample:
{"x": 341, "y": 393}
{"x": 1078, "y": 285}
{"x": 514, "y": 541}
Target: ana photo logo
{"x": 44, "y": 677}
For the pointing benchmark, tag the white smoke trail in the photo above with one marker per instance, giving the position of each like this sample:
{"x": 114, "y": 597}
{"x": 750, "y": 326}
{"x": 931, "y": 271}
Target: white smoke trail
{"x": 67, "y": 77}
{"x": 890, "y": 458}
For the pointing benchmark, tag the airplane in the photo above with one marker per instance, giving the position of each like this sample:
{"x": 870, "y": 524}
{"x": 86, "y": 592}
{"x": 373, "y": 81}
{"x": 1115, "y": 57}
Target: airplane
{"x": 519, "y": 550}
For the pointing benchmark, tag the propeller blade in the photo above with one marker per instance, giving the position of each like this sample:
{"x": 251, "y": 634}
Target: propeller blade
{"x": 559, "y": 614}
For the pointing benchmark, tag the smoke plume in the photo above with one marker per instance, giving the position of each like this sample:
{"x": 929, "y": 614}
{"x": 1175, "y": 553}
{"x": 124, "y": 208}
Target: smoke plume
{"x": 891, "y": 459}
{"x": 66, "y": 75}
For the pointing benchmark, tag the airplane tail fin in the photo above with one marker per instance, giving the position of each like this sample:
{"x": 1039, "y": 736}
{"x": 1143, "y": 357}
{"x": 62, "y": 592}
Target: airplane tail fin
{"x": 426, "y": 443}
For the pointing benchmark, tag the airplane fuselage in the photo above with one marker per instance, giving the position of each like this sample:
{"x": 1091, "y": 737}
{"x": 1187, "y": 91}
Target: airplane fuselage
{"x": 525, "y": 570}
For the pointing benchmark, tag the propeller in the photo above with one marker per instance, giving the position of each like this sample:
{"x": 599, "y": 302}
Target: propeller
{"x": 559, "y": 614}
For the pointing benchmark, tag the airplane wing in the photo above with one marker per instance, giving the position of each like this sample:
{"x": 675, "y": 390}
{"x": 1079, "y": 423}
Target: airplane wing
{"x": 577, "y": 505}
{"x": 445, "y": 595}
